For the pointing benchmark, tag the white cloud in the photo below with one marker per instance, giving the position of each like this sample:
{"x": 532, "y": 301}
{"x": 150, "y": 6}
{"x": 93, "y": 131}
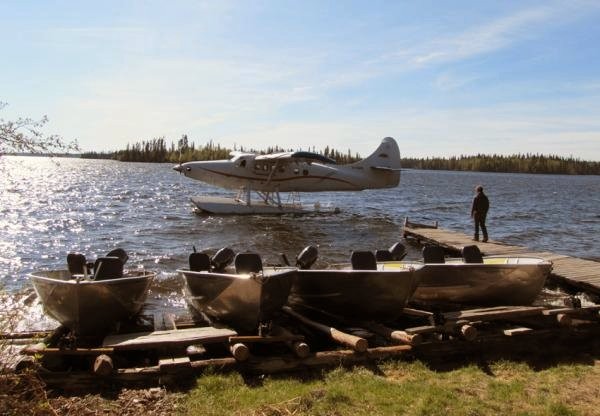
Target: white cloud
{"x": 484, "y": 38}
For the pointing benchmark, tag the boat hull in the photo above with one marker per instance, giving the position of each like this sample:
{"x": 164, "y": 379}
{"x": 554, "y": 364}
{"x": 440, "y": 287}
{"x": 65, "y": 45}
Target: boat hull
{"x": 354, "y": 294}
{"x": 497, "y": 281}
{"x": 242, "y": 301}
{"x": 91, "y": 307}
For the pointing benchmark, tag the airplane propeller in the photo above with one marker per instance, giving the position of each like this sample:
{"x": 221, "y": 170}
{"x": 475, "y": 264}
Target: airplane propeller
{"x": 178, "y": 167}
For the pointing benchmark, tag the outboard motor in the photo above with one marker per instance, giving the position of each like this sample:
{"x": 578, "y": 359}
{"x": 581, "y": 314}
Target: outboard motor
{"x": 383, "y": 255}
{"x": 222, "y": 259}
{"x": 199, "y": 261}
{"x": 76, "y": 263}
{"x": 398, "y": 251}
{"x": 307, "y": 257}
{"x": 108, "y": 268}
{"x": 120, "y": 253}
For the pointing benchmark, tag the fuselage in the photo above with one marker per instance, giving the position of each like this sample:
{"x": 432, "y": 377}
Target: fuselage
{"x": 269, "y": 174}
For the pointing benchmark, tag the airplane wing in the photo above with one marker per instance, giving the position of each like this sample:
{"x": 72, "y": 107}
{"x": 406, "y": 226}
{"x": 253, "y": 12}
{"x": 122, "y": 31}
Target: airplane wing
{"x": 296, "y": 157}
{"x": 235, "y": 153}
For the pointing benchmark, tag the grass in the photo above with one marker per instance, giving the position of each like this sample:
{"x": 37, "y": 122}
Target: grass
{"x": 398, "y": 387}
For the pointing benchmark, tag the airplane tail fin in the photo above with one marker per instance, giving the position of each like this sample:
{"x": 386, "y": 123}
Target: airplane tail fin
{"x": 384, "y": 162}
{"x": 385, "y": 157}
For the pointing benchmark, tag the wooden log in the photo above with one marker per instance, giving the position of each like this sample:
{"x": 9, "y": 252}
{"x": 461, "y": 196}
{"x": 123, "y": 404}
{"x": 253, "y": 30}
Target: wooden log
{"x": 24, "y": 335}
{"x": 174, "y": 365}
{"x": 78, "y": 380}
{"x": 103, "y": 365}
{"x": 418, "y": 313}
{"x": 298, "y": 346}
{"x": 468, "y": 332}
{"x": 240, "y": 351}
{"x": 462, "y": 328}
{"x": 516, "y": 331}
{"x": 496, "y": 313}
{"x": 585, "y": 311}
{"x": 356, "y": 343}
{"x": 37, "y": 349}
{"x": 398, "y": 336}
{"x": 554, "y": 311}
{"x": 563, "y": 319}
{"x": 323, "y": 359}
{"x": 425, "y": 329}
{"x": 226, "y": 363}
{"x": 196, "y": 349}
{"x": 265, "y": 339}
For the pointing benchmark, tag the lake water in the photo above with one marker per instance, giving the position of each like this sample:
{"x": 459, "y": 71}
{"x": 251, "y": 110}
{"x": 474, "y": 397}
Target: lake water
{"x": 50, "y": 207}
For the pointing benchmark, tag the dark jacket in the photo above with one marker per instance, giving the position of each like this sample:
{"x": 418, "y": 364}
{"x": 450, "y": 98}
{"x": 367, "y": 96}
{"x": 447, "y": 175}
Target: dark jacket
{"x": 481, "y": 204}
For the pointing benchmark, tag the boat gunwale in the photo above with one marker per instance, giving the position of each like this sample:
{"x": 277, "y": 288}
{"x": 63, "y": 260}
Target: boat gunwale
{"x": 459, "y": 262}
{"x": 146, "y": 275}
{"x": 275, "y": 272}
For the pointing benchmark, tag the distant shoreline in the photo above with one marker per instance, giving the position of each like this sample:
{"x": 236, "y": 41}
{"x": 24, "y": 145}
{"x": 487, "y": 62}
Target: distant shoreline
{"x": 534, "y": 164}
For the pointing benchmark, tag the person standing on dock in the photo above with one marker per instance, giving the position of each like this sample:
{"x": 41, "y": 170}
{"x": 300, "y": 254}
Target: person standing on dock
{"x": 479, "y": 209}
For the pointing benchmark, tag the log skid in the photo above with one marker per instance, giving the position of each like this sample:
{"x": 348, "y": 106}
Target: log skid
{"x": 185, "y": 350}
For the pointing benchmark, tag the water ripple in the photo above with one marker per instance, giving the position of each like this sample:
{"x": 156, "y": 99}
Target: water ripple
{"x": 50, "y": 208}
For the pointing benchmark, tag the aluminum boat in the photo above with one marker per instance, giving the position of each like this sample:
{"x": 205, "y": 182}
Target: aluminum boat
{"x": 243, "y": 298}
{"x": 492, "y": 281}
{"x": 359, "y": 291}
{"x": 87, "y": 306}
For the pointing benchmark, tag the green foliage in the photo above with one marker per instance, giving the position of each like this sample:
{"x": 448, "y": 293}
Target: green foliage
{"x": 527, "y": 163}
{"x": 156, "y": 150}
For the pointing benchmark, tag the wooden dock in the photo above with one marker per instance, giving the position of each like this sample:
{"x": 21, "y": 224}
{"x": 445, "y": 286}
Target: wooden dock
{"x": 579, "y": 273}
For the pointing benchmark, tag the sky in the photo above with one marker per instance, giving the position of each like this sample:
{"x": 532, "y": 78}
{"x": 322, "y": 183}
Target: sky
{"x": 443, "y": 78}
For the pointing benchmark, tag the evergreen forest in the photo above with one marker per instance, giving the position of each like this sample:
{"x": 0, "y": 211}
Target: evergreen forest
{"x": 184, "y": 150}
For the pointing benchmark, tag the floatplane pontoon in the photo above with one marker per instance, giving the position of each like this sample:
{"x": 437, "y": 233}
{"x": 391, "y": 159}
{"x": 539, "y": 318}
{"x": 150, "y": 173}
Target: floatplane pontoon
{"x": 294, "y": 172}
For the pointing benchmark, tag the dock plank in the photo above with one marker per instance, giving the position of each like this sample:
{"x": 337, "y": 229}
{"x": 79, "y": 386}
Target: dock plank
{"x": 168, "y": 338}
{"x": 579, "y": 273}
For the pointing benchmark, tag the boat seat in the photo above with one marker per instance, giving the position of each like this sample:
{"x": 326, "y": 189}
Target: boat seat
{"x": 222, "y": 259}
{"x": 471, "y": 254}
{"x": 307, "y": 257}
{"x": 76, "y": 263}
{"x": 248, "y": 263}
{"x": 108, "y": 268}
{"x": 363, "y": 260}
{"x": 383, "y": 255}
{"x": 120, "y": 253}
{"x": 433, "y": 254}
{"x": 398, "y": 251}
{"x": 199, "y": 262}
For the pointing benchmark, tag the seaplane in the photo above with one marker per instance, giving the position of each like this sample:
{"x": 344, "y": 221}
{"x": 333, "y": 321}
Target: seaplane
{"x": 294, "y": 172}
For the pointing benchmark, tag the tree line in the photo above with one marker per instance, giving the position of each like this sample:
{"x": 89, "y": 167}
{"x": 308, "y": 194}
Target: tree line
{"x": 25, "y": 136}
{"x": 519, "y": 163}
{"x": 157, "y": 150}
{"x": 185, "y": 150}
